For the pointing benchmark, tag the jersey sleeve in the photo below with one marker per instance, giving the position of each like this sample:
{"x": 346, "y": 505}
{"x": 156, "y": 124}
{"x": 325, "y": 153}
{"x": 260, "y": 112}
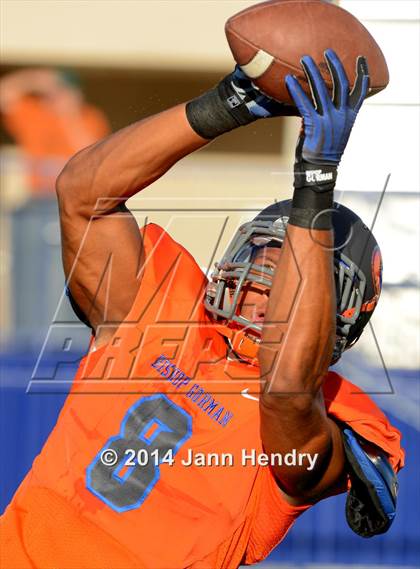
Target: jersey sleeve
{"x": 271, "y": 517}
{"x": 348, "y": 405}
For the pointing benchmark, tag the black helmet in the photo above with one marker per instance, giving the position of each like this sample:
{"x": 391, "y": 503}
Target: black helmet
{"x": 357, "y": 263}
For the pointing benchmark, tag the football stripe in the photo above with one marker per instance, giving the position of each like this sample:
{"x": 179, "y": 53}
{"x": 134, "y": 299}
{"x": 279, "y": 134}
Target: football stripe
{"x": 258, "y": 64}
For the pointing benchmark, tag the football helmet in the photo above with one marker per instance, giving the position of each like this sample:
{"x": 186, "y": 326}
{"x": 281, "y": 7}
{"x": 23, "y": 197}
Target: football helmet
{"x": 357, "y": 271}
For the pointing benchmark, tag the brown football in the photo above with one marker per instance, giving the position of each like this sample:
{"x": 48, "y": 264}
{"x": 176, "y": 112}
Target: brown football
{"x": 268, "y": 40}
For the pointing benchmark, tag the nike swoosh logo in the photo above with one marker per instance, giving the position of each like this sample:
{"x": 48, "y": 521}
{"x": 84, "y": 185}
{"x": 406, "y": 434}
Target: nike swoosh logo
{"x": 247, "y": 395}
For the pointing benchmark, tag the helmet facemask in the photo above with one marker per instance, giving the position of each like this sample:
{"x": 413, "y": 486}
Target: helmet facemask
{"x": 237, "y": 270}
{"x": 350, "y": 284}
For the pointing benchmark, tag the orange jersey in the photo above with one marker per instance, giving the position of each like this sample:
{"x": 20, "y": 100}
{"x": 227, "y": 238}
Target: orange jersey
{"x": 118, "y": 483}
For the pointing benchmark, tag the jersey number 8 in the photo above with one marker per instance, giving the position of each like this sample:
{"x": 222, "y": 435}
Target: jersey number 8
{"x": 152, "y": 425}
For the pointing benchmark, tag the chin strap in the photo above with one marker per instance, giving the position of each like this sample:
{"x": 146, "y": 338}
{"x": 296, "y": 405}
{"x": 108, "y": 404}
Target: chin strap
{"x": 243, "y": 346}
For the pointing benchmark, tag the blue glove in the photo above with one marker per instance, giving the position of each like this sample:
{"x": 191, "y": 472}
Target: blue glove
{"x": 372, "y": 499}
{"x": 257, "y": 103}
{"x": 327, "y": 122}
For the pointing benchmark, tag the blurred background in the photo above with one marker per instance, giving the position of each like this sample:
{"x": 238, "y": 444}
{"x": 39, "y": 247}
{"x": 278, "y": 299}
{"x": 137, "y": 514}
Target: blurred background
{"x": 72, "y": 71}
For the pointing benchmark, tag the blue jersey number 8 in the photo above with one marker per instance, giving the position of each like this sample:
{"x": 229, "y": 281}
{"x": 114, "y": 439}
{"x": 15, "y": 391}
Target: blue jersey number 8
{"x": 172, "y": 427}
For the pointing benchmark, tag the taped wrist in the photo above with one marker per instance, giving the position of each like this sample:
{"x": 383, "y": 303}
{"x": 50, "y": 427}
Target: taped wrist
{"x": 313, "y": 196}
{"x": 311, "y": 209}
{"x": 218, "y": 111}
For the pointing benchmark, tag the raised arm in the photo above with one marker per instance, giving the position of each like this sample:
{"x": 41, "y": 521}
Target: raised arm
{"x": 102, "y": 250}
{"x": 299, "y": 328}
{"x": 101, "y": 244}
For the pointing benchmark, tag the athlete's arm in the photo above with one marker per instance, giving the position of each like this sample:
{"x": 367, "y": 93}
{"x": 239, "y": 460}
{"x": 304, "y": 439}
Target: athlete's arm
{"x": 299, "y": 328}
{"x": 102, "y": 249}
{"x": 101, "y": 243}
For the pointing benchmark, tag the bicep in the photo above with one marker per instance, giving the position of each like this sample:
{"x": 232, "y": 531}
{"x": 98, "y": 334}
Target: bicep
{"x": 102, "y": 258}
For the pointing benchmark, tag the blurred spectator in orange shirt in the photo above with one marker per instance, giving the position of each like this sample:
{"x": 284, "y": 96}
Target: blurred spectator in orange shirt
{"x": 44, "y": 111}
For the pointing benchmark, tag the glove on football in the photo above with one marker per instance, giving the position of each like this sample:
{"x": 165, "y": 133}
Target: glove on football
{"x": 327, "y": 122}
{"x": 237, "y": 89}
{"x": 234, "y": 102}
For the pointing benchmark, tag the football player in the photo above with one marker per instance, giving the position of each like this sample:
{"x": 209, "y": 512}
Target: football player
{"x": 181, "y": 368}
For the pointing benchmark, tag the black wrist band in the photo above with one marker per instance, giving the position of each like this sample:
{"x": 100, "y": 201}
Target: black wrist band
{"x": 312, "y": 208}
{"x": 218, "y": 111}
{"x": 320, "y": 177}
